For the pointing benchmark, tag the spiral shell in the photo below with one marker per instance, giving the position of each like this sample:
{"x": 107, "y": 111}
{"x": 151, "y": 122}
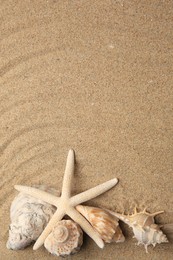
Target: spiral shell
{"x": 66, "y": 238}
{"x": 168, "y": 230}
{"x": 103, "y": 222}
{"x": 29, "y": 216}
{"x": 145, "y": 230}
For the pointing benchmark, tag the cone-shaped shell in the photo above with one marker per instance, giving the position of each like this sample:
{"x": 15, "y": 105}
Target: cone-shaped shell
{"x": 144, "y": 228}
{"x": 29, "y": 216}
{"x": 168, "y": 230}
{"x": 66, "y": 238}
{"x": 103, "y": 222}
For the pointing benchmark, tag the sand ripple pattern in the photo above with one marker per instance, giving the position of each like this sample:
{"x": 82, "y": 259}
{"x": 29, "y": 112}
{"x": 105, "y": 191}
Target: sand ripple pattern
{"x": 95, "y": 76}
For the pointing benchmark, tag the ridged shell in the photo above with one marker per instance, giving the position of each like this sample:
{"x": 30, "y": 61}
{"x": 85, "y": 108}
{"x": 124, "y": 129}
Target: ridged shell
{"x": 29, "y": 216}
{"x": 103, "y": 222}
{"x": 144, "y": 228}
{"x": 66, "y": 238}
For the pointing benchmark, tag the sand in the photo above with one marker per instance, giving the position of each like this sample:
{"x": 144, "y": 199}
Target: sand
{"x": 95, "y": 76}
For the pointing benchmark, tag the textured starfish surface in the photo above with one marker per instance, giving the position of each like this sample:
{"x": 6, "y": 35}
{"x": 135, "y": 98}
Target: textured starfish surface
{"x": 66, "y": 203}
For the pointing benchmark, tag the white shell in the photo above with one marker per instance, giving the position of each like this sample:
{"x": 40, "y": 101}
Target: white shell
{"x": 29, "y": 216}
{"x": 66, "y": 238}
{"x": 168, "y": 230}
{"x": 144, "y": 228}
{"x": 103, "y": 222}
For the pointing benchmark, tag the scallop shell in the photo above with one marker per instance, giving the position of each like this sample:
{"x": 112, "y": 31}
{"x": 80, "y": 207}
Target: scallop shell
{"x": 145, "y": 230}
{"x": 103, "y": 222}
{"x": 66, "y": 238}
{"x": 29, "y": 216}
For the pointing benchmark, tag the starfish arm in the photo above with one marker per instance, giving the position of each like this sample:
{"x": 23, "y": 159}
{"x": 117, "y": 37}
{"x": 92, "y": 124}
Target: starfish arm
{"x": 39, "y": 194}
{"x": 93, "y": 192}
{"x": 77, "y": 217}
{"x": 56, "y": 217}
{"x": 68, "y": 175}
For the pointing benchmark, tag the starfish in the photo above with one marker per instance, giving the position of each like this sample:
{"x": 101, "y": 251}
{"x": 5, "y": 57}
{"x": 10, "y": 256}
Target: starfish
{"x": 66, "y": 203}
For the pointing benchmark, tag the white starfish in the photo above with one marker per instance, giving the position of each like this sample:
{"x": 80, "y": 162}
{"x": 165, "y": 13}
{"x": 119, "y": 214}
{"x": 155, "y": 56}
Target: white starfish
{"x": 66, "y": 204}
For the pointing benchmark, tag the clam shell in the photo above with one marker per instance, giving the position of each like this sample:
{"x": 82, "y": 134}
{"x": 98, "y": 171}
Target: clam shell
{"x": 66, "y": 238}
{"x": 103, "y": 222}
{"x": 29, "y": 216}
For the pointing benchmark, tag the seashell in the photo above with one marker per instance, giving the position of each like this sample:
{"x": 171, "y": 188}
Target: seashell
{"x": 29, "y": 216}
{"x": 66, "y": 238}
{"x": 145, "y": 230}
{"x": 103, "y": 222}
{"x": 168, "y": 230}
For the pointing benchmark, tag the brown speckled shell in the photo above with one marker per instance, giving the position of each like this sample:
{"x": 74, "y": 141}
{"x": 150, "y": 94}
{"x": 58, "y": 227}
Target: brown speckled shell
{"x": 103, "y": 222}
{"x": 66, "y": 238}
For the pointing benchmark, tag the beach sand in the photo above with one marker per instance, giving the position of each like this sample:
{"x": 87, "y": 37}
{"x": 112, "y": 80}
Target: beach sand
{"x": 95, "y": 76}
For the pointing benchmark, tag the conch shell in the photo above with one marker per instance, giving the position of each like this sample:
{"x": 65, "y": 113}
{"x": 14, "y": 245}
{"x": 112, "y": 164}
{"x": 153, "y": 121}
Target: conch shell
{"x": 29, "y": 216}
{"x": 145, "y": 230}
{"x": 103, "y": 222}
{"x": 66, "y": 238}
